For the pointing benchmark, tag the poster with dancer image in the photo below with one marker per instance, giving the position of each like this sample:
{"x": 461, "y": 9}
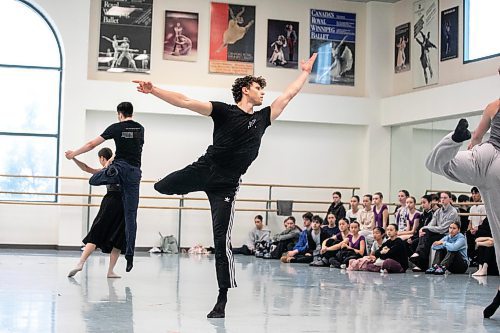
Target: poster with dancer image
{"x": 282, "y": 44}
{"x": 333, "y": 37}
{"x": 424, "y": 51}
{"x": 449, "y": 34}
{"x": 232, "y": 39}
{"x": 180, "y": 41}
{"x": 402, "y": 48}
{"x": 125, "y": 38}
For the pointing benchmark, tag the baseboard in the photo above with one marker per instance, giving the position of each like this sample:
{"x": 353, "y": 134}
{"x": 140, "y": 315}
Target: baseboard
{"x": 53, "y": 247}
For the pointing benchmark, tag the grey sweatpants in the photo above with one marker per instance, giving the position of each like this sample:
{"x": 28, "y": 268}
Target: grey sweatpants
{"x": 478, "y": 167}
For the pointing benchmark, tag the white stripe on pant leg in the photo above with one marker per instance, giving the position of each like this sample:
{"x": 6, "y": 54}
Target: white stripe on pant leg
{"x": 229, "y": 253}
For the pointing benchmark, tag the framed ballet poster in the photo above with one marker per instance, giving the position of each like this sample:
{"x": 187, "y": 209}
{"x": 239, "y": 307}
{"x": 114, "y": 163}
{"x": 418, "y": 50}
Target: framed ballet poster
{"x": 282, "y": 44}
{"x": 425, "y": 52}
{"x": 333, "y": 37}
{"x": 402, "y": 48}
{"x": 232, "y": 38}
{"x": 125, "y": 41}
{"x": 180, "y": 41}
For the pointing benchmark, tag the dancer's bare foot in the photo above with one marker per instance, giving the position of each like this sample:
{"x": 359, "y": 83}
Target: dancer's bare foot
{"x": 113, "y": 275}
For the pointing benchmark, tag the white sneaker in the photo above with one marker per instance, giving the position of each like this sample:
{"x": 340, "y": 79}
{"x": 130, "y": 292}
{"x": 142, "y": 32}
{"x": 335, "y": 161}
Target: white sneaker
{"x": 343, "y": 266}
{"x": 414, "y": 255}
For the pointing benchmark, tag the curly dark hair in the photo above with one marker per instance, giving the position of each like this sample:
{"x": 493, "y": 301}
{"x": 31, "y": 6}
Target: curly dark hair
{"x": 246, "y": 81}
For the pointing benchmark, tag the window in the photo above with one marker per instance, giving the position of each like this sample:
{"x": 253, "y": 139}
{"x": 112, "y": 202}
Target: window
{"x": 481, "y": 27}
{"x": 31, "y": 72}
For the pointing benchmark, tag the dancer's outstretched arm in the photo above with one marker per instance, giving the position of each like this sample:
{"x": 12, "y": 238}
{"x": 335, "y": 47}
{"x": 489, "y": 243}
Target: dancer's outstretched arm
{"x": 293, "y": 89}
{"x": 174, "y": 98}
{"x": 484, "y": 123}
{"x": 70, "y": 154}
{"x": 85, "y": 167}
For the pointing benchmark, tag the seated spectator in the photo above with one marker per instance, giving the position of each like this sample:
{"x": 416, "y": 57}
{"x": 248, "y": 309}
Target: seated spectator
{"x": 301, "y": 245}
{"x": 259, "y": 236}
{"x": 434, "y": 231}
{"x": 380, "y": 210}
{"x": 331, "y": 228}
{"x": 362, "y": 263}
{"x": 392, "y": 252}
{"x": 463, "y": 209}
{"x": 366, "y": 216}
{"x": 351, "y": 248}
{"x": 425, "y": 219}
{"x": 353, "y": 212}
{"x": 305, "y": 253}
{"x": 451, "y": 252}
{"x": 401, "y": 211}
{"x": 285, "y": 240}
{"x": 412, "y": 220}
{"x": 330, "y": 246}
{"x": 474, "y": 223}
{"x": 485, "y": 257}
{"x": 337, "y": 207}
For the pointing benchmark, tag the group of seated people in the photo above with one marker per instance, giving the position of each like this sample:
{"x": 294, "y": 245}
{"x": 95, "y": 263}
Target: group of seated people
{"x": 435, "y": 239}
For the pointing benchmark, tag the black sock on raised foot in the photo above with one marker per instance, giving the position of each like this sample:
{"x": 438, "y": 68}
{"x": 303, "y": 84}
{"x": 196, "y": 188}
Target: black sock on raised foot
{"x": 490, "y": 309}
{"x": 130, "y": 263}
{"x": 461, "y": 132}
{"x": 220, "y": 307}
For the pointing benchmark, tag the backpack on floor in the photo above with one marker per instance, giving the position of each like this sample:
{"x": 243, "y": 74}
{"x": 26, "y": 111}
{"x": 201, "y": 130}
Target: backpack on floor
{"x": 169, "y": 244}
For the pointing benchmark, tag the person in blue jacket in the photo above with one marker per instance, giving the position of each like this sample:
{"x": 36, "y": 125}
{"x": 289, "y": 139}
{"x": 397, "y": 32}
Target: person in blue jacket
{"x": 451, "y": 252}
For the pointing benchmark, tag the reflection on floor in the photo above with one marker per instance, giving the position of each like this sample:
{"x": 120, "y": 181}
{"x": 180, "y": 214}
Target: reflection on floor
{"x": 173, "y": 293}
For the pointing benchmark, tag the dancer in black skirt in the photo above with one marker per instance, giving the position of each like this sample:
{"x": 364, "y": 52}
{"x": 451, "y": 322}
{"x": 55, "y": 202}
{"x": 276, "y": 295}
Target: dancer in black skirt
{"x": 108, "y": 230}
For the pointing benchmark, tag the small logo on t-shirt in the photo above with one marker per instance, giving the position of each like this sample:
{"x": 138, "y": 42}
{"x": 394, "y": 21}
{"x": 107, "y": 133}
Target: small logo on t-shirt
{"x": 128, "y": 135}
{"x": 251, "y": 123}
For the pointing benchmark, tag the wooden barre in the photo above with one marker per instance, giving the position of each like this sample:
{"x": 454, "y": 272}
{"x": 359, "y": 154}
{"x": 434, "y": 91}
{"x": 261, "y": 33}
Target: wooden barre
{"x": 22, "y": 203}
{"x": 154, "y": 181}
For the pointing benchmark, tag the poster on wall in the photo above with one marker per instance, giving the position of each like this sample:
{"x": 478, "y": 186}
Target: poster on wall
{"x": 449, "y": 34}
{"x": 425, "y": 54}
{"x": 232, "y": 39}
{"x": 402, "y": 48}
{"x": 333, "y": 37}
{"x": 282, "y": 44}
{"x": 125, "y": 39}
{"x": 180, "y": 41}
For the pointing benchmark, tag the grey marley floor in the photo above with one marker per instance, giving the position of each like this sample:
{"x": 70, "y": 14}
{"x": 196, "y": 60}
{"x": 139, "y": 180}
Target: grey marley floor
{"x": 173, "y": 293}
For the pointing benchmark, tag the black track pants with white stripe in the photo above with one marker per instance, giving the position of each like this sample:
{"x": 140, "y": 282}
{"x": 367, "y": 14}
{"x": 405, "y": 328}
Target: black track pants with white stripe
{"x": 221, "y": 191}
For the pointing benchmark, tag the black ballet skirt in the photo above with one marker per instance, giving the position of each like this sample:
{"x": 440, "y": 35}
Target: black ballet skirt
{"x": 108, "y": 230}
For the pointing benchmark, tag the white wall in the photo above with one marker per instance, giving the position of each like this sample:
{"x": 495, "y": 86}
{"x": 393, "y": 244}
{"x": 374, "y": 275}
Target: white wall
{"x": 328, "y": 135}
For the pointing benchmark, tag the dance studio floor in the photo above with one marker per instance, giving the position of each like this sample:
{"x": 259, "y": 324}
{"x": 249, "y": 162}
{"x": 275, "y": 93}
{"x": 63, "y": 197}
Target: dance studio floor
{"x": 173, "y": 293}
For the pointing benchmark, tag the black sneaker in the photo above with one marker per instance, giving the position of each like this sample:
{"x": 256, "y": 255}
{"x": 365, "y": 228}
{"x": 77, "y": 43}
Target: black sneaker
{"x": 461, "y": 133}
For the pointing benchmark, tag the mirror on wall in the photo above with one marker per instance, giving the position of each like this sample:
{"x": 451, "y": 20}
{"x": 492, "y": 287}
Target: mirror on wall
{"x": 410, "y": 145}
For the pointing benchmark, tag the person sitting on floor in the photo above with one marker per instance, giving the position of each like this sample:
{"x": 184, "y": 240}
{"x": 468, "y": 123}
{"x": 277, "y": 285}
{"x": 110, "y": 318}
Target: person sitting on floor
{"x": 412, "y": 220}
{"x": 485, "y": 256}
{"x": 305, "y": 253}
{"x": 285, "y": 240}
{"x": 362, "y": 263}
{"x": 392, "y": 252}
{"x": 353, "y": 247}
{"x": 451, "y": 253}
{"x": 434, "y": 231}
{"x": 353, "y": 213}
{"x": 330, "y": 246}
{"x": 259, "y": 236}
{"x": 331, "y": 228}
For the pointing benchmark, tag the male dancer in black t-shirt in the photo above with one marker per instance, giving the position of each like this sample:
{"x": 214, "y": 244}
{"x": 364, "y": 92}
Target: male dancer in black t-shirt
{"x": 238, "y": 131}
{"x": 124, "y": 170}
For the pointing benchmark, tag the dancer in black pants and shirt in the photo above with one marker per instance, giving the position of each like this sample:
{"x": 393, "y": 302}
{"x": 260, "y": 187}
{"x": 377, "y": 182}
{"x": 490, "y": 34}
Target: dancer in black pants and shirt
{"x": 238, "y": 131}
{"x": 125, "y": 169}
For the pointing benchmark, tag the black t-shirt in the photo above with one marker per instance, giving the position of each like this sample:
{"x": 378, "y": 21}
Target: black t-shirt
{"x": 237, "y": 136}
{"x": 129, "y": 139}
